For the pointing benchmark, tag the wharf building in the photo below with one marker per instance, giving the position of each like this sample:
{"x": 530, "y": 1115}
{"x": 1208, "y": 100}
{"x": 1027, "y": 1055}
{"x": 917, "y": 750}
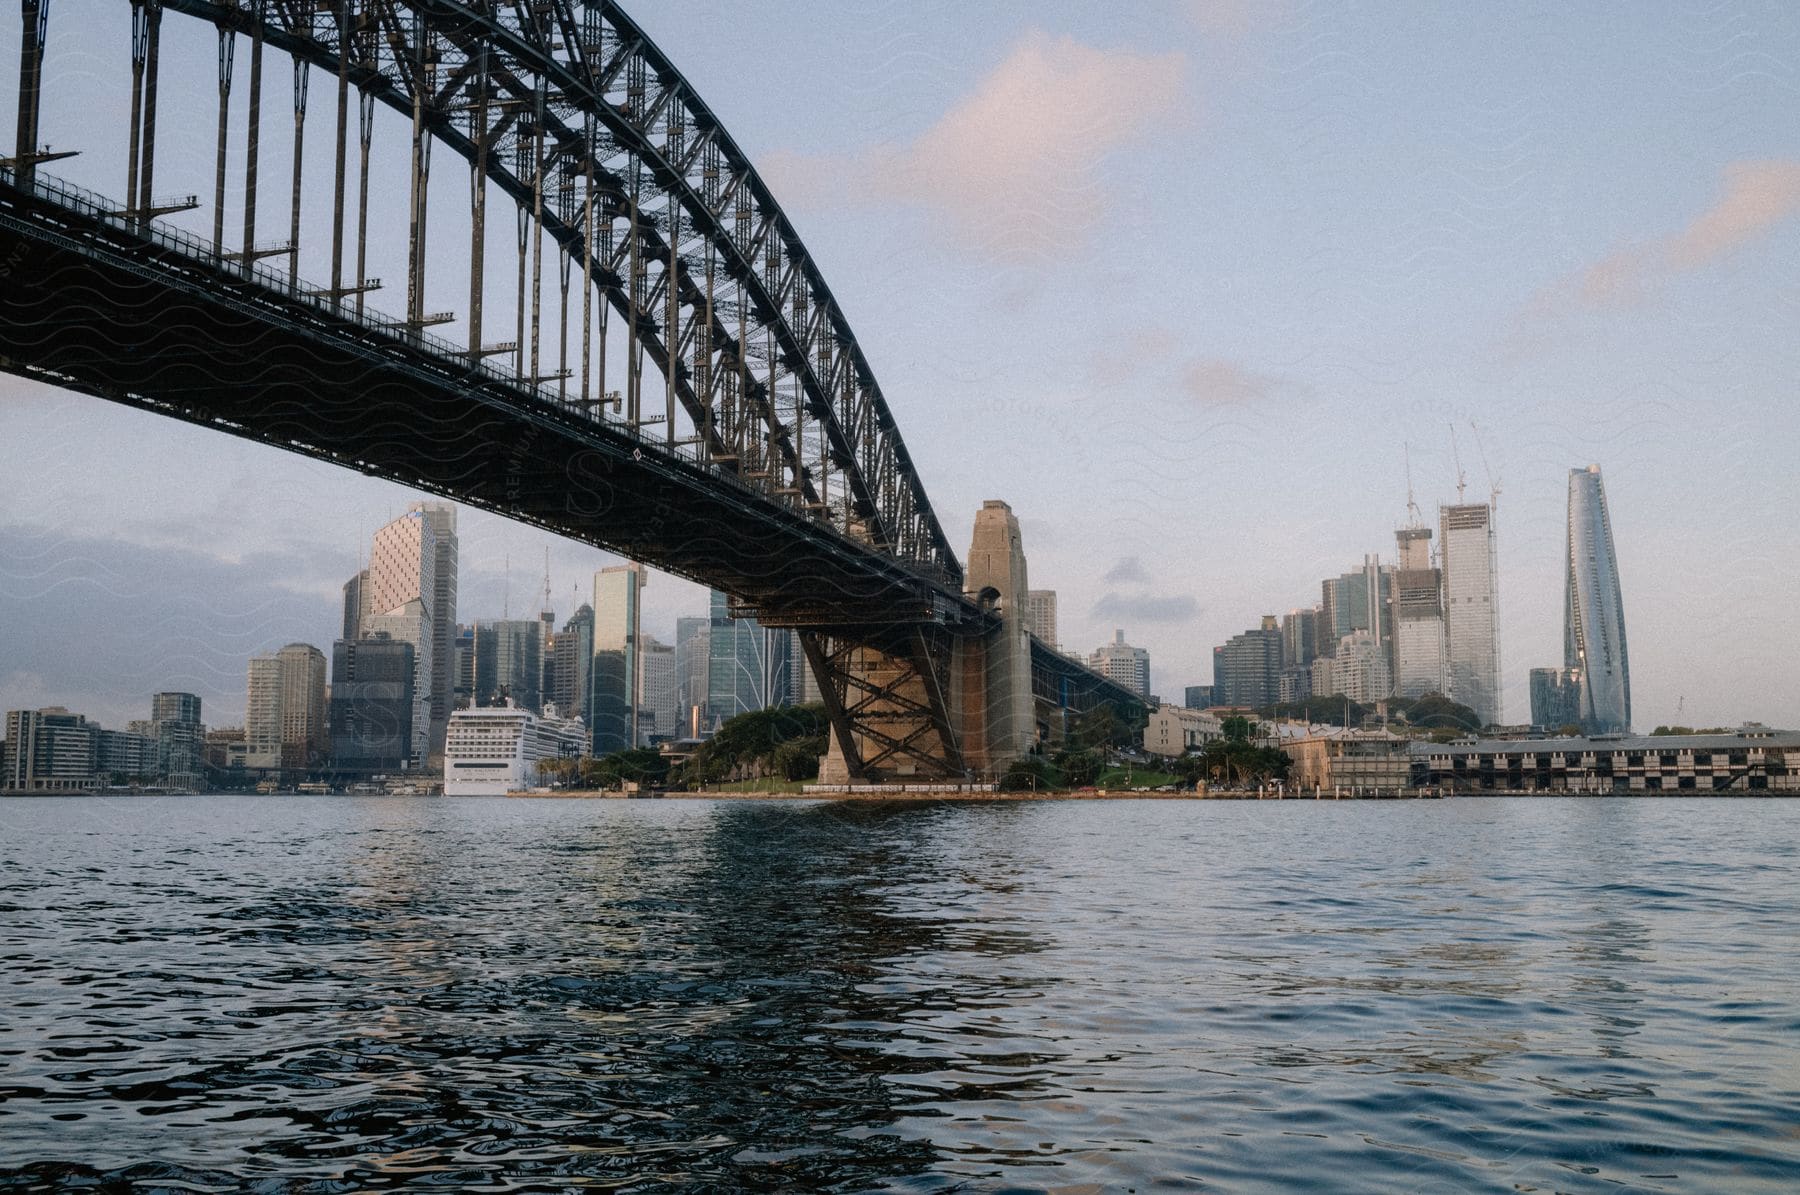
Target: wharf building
{"x": 1594, "y": 611}
{"x": 1349, "y": 761}
{"x": 1471, "y": 608}
{"x": 372, "y": 705}
{"x": 1752, "y": 759}
{"x": 1122, "y": 664}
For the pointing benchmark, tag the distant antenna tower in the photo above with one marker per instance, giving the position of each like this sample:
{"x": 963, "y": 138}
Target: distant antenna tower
{"x": 546, "y": 578}
{"x": 1493, "y": 485}
{"x": 1462, "y": 481}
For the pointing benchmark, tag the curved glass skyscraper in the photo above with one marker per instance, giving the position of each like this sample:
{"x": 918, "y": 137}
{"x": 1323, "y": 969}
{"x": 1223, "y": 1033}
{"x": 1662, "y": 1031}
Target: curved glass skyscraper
{"x": 1594, "y": 611}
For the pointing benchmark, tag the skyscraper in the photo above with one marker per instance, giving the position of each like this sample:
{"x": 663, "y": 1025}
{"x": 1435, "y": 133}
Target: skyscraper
{"x": 371, "y": 704}
{"x": 1127, "y": 665}
{"x": 748, "y": 664}
{"x": 442, "y": 517}
{"x": 1471, "y": 608}
{"x": 401, "y": 590}
{"x": 574, "y": 663}
{"x": 1594, "y": 610}
{"x": 509, "y": 663}
{"x": 693, "y": 650}
{"x": 1555, "y": 697}
{"x": 1418, "y": 639}
{"x": 356, "y": 604}
{"x": 1040, "y": 610}
{"x": 656, "y": 702}
{"x": 613, "y": 683}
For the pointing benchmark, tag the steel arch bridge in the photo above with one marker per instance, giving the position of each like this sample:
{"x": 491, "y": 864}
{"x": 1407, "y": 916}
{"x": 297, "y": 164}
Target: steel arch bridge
{"x": 757, "y": 455}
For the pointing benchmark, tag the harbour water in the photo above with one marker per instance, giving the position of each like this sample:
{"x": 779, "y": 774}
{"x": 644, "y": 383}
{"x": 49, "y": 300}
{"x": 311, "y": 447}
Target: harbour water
{"x": 318, "y": 993}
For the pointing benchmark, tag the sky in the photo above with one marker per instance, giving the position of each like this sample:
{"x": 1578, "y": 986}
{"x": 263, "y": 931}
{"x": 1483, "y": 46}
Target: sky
{"x": 1193, "y": 287}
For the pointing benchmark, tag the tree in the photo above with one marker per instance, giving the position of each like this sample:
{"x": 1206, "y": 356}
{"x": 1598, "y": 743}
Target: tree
{"x": 1080, "y": 768}
{"x": 1236, "y": 728}
{"x": 1030, "y": 773}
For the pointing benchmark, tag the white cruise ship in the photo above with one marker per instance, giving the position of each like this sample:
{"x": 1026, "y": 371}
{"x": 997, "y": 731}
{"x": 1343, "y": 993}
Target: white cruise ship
{"x": 491, "y": 752}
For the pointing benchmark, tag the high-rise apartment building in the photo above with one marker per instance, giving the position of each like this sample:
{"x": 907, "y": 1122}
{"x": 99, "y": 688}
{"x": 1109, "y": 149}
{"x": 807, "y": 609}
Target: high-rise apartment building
{"x": 658, "y": 714}
{"x": 285, "y": 725}
{"x": 1418, "y": 619}
{"x": 1040, "y": 614}
{"x": 372, "y": 705}
{"x": 1123, "y": 664}
{"x": 748, "y": 666}
{"x": 1471, "y": 608}
{"x": 1247, "y": 667}
{"x": 180, "y": 737}
{"x": 1358, "y": 671}
{"x": 693, "y": 658}
{"x": 616, "y": 674}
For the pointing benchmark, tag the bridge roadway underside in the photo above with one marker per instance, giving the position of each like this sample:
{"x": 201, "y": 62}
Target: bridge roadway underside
{"x": 91, "y": 307}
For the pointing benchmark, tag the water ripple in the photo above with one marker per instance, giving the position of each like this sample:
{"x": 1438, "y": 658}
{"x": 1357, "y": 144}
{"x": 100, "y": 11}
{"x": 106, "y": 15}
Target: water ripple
{"x": 328, "y": 994}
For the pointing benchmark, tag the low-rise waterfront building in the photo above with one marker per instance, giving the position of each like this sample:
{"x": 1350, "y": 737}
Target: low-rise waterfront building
{"x": 1752, "y": 759}
{"x": 1173, "y": 730}
{"x": 1349, "y": 761}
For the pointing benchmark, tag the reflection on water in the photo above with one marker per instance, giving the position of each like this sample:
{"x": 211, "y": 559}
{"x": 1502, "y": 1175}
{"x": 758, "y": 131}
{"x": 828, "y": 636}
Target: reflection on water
{"x": 339, "y": 994}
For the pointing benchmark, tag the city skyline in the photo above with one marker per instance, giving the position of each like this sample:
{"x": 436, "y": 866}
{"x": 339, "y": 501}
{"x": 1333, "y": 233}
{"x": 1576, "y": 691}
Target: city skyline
{"x": 1595, "y": 290}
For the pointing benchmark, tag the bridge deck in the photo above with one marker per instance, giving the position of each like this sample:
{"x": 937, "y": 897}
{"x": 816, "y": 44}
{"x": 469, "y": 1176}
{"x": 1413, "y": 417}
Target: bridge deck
{"x": 151, "y": 318}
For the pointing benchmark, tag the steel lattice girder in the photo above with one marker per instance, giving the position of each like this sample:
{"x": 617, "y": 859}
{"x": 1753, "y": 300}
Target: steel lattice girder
{"x": 614, "y": 104}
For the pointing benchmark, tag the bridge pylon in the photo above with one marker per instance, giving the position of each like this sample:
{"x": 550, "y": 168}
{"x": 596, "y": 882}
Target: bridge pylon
{"x": 936, "y": 702}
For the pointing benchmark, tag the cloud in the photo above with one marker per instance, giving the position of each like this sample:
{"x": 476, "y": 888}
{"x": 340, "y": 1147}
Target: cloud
{"x": 1754, "y": 197}
{"x": 1218, "y": 383}
{"x": 1015, "y": 167}
{"x": 1145, "y": 607}
{"x": 1128, "y": 568}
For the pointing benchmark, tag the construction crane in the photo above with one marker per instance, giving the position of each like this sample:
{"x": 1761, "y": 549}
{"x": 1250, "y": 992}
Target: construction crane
{"x": 1462, "y": 481}
{"x": 1413, "y": 517}
{"x": 1493, "y": 483}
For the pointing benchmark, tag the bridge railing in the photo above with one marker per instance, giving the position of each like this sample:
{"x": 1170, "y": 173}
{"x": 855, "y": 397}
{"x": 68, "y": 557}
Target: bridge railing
{"x": 204, "y": 252}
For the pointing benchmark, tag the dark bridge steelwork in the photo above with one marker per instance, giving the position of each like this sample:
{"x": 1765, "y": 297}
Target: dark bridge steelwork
{"x": 772, "y": 467}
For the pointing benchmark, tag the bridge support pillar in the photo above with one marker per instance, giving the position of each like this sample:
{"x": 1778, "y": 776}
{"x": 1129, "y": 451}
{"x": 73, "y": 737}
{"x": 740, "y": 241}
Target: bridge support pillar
{"x": 996, "y": 717}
